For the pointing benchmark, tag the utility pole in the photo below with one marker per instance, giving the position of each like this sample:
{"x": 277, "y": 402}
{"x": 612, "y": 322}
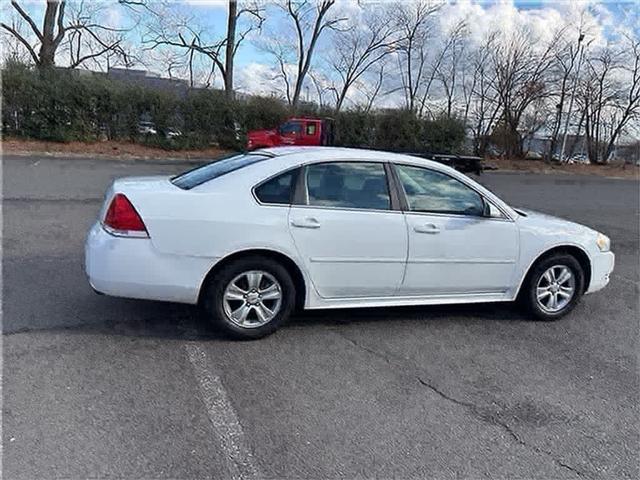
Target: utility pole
{"x": 573, "y": 94}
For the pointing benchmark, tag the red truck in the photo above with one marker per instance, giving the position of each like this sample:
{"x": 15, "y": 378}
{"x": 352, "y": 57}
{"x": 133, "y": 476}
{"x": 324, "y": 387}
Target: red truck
{"x": 295, "y": 131}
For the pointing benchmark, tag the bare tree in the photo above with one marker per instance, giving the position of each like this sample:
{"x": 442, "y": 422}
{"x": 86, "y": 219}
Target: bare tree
{"x": 166, "y": 27}
{"x": 520, "y": 80}
{"x": 563, "y": 73}
{"x": 360, "y": 48}
{"x": 371, "y": 92}
{"x": 44, "y": 42}
{"x": 610, "y": 97}
{"x": 482, "y": 102}
{"x": 414, "y": 21}
{"x": 294, "y": 59}
{"x": 91, "y": 44}
{"x": 448, "y": 63}
{"x": 628, "y": 105}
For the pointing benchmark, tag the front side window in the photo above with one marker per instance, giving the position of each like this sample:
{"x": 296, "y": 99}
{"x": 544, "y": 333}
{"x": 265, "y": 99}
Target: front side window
{"x": 430, "y": 191}
{"x": 348, "y": 185}
{"x": 291, "y": 128}
{"x": 278, "y": 190}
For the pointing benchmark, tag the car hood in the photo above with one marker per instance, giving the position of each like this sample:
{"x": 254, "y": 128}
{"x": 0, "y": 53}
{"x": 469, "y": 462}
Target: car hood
{"x": 260, "y": 133}
{"x": 543, "y": 221}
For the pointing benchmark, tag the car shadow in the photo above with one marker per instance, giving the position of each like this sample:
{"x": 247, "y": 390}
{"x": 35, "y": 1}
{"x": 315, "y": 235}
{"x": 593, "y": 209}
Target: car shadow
{"x": 186, "y": 322}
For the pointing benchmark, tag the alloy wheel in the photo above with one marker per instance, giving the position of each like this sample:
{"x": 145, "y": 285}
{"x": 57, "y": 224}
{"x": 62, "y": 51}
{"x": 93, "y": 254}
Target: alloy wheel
{"x": 555, "y": 288}
{"x": 252, "y": 299}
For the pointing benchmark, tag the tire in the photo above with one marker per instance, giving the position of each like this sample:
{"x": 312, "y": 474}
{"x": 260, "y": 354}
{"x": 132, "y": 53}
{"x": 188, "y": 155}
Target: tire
{"x": 235, "y": 299}
{"x": 548, "y": 279}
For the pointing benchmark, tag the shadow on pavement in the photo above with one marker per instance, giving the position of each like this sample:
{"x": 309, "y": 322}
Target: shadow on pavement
{"x": 187, "y": 322}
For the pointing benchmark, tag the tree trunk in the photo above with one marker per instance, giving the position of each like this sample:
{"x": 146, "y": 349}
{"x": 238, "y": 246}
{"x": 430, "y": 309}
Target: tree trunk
{"x": 48, "y": 44}
{"x": 230, "y": 47}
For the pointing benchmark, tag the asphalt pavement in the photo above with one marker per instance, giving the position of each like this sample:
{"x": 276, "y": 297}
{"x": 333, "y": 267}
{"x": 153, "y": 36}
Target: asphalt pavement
{"x": 99, "y": 387}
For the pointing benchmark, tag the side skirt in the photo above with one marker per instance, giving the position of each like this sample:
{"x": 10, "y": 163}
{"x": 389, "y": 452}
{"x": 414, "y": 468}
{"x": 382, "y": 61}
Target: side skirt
{"x": 363, "y": 302}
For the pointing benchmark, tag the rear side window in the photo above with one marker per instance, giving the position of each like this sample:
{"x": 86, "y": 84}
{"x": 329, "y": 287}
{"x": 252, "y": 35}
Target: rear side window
{"x": 216, "y": 169}
{"x": 348, "y": 185}
{"x": 278, "y": 190}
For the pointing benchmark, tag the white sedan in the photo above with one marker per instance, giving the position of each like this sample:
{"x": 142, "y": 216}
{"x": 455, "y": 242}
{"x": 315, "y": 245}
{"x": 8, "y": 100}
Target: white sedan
{"x": 254, "y": 236}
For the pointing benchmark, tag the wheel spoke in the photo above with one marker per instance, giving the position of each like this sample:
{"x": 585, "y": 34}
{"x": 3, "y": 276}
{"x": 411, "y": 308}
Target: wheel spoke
{"x": 240, "y": 314}
{"x": 564, "y": 294}
{"x": 272, "y": 292}
{"x": 543, "y": 292}
{"x": 264, "y": 314}
{"x": 548, "y": 275}
{"x": 234, "y": 293}
{"x": 565, "y": 276}
{"x": 254, "y": 279}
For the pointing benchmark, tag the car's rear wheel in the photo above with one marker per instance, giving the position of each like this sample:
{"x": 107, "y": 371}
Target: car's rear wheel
{"x": 250, "y": 297}
{"x": 553, "y": 287}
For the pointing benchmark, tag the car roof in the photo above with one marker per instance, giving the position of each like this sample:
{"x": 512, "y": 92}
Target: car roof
{"x": 311, "y": 154}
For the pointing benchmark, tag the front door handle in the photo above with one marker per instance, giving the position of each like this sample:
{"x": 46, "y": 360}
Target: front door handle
{"x": 430, "y": 228}
{"x": 307, "y": 222}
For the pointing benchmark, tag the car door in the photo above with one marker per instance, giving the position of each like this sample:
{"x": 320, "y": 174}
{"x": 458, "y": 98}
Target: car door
{"x": 459, "y": 243}
{"x": 351, "y": 239}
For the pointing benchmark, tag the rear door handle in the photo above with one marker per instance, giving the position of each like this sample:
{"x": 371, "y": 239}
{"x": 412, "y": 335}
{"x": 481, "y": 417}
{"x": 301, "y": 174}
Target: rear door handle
{"x": 430, "y": 228}
{"x": 307, "y": 222}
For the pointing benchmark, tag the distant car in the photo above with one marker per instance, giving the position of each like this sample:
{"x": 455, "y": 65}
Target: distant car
{"x": 253, "y": 236}
{"x": 579, "y": 158}
{"x": 533, "y": 155}
{"x": 147, "y": 128}
{"x": 173, "y": 133}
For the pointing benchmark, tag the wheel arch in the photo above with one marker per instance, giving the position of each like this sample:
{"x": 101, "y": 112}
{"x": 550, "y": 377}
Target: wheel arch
{"x": 577, "y": 252}
{"x": 287, "y": 262}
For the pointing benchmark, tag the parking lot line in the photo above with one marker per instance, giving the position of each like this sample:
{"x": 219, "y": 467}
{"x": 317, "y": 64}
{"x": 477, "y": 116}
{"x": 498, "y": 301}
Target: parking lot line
{"x": 223, "y": 416}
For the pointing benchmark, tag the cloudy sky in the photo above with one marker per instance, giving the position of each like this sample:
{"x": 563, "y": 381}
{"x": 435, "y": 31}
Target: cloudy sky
{"x": 255, "y": 68}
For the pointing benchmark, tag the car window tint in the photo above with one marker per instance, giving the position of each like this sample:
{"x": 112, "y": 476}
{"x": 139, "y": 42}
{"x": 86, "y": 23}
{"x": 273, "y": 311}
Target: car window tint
{"x": 200, "y": 175}
{"x": 311, "y": 128}
{"x": 348, "y": 184}
{"x": 430, "y": 191}
{"x": 277, "y": 190}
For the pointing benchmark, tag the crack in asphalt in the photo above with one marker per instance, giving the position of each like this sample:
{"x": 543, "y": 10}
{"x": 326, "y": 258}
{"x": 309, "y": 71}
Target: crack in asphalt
{"x": 484, "y": 414}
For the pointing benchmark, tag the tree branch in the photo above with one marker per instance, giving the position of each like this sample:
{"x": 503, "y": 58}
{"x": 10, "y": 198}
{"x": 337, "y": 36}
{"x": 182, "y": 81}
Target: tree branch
{"x": 29, "y": 20}
{"x": 22, "y": 40}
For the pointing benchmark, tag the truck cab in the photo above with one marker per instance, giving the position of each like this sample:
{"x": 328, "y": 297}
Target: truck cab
{"x": 295, "y": 131}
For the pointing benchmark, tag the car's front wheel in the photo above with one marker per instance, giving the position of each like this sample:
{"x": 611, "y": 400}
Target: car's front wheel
{"x": 250, "y": 297}
{"x": 553, "y": 287}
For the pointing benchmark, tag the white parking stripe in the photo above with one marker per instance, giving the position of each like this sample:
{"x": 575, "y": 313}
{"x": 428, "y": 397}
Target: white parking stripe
{"x": 222, "y": 416}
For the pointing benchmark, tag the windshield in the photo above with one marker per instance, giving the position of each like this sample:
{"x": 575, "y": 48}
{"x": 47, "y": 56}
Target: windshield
{"x": 290, "y": 127}
{"x": 205, "y": 173}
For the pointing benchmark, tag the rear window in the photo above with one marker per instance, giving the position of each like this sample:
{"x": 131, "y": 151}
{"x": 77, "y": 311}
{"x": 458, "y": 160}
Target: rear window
{"x": 203, "y": 174}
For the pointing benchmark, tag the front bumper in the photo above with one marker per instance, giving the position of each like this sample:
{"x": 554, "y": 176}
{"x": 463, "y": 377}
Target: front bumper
{"x": 601, "y": 267}
{"x": 132, "y": 268}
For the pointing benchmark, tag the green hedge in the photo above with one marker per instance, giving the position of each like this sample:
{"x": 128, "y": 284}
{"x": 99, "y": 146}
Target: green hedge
{"x": 64, "y": 105}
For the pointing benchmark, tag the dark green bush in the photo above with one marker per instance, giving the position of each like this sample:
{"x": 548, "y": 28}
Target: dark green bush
{"x": 444, "y": 135}
{"x": 64, "y": 105}
{"x": 399, "y": 131}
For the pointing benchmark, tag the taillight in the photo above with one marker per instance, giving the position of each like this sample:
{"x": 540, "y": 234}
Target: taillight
{"x": 122, "y": 219}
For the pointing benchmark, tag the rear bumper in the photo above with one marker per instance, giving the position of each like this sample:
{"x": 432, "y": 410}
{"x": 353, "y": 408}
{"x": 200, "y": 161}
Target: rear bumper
{"x": 132, "y": 268}
{"x": 601, "y": 267}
